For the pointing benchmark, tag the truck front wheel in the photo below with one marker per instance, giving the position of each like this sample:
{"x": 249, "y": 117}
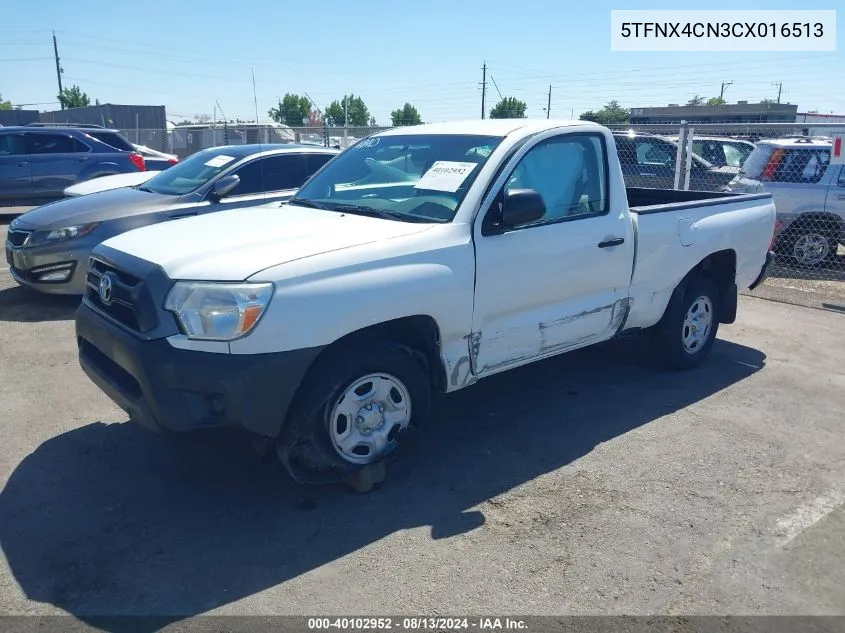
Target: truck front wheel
{"x": 688, "y": 329}
{"x": 354, "y": 410}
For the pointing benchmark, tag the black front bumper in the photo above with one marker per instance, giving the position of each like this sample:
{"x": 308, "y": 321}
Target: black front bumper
{"x": 163, "y": 387}
{"x": 766, "y": 270}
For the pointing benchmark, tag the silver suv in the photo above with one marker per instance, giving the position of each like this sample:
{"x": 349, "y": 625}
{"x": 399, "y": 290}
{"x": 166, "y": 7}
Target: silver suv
{"x": 809, "y": 194}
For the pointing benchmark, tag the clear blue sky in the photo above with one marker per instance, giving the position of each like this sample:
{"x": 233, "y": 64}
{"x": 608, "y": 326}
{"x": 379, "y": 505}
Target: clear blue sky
{"x": 187, "y": 55}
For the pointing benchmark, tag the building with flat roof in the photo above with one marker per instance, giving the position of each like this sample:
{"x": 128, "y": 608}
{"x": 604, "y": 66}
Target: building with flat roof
{"x": 740, "y": 112}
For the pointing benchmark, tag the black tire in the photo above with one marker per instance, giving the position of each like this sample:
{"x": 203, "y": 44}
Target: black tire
{"x": 305, "y": 447}
{"x": 786, "y": 246}
{"x": 668, "y": 335}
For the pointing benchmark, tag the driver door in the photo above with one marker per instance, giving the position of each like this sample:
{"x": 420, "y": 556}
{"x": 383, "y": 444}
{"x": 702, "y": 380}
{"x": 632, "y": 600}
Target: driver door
{"x": 562, "y": 282}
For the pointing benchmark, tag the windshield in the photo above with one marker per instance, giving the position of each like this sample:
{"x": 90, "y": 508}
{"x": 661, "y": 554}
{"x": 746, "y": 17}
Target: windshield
{"x": 189, "y": 175}
{"x": 756, "y": 162}
{"x": 413, "y": 177}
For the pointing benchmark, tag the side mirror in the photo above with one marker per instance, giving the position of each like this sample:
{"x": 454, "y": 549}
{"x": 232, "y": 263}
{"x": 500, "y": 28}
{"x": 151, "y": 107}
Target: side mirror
{"x": 224, "y": 186}
{"x": 522, "y": 206}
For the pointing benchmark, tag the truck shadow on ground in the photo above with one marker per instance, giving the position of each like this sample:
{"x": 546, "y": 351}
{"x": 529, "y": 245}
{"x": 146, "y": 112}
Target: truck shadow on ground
{"x": 29, "y": 306}
{"x": 109, "y": 520}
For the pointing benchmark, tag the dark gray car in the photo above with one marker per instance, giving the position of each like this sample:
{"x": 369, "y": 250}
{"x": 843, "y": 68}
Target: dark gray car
{"x": 648, "y": 160}
{"x": 47, "y": 248}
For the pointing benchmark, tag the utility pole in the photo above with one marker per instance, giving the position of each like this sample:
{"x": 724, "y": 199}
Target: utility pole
{"x": 549, "y": 105}
{"x": 345, "y": 121}
{"x": 58, "y": 67}
{"x": 780, "y": 88}
{"x": 483, "y": 87}
{"x": 725, "y": 84}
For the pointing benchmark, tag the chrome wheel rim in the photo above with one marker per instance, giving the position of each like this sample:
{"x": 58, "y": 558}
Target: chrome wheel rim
{"x": 697, "y": 324}
{"x": 366, "y": 420}
{"x": 811, "y": 248}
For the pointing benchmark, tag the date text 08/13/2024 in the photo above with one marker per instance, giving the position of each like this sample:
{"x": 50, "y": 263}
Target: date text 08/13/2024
{"x": 416, "y": 623}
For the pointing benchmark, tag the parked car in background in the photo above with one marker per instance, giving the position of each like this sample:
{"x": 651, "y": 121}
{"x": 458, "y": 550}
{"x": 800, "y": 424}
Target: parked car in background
{"x": 809, "y": 195}
{"x": 104, "y": 183}
{"x": 648, "y": 160}
{"x": 37, "y": 163}
{"x": 47, "y": 248}
{"x": 720, "y": 151}
{"x": 326, "y": 326}
{"x": 155, "y": 159}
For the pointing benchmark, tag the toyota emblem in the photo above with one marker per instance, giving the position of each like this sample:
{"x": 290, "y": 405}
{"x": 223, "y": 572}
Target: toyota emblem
{"x": 105, "y": 289}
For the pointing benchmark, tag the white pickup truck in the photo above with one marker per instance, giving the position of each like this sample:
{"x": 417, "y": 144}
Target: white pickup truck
{"x": 420, "y": 259}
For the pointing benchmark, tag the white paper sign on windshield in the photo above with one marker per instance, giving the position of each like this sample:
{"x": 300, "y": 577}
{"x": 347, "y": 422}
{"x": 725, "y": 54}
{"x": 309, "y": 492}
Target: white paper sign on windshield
{"x": 219, "y": 161}
{"x": 445, "y": 175}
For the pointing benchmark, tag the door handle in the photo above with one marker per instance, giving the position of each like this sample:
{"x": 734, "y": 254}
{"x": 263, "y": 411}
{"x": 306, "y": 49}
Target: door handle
{"x": 840, "y": 197}
{"x": 178, "y": 216}
{"x": 614, "y": 242}
{"x": 642, "y": 173}
{"x": 23, "y": 164}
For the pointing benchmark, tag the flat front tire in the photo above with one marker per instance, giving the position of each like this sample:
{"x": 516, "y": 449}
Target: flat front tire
{"x": 356, "y": 409}
{"x": 687, "y": 331}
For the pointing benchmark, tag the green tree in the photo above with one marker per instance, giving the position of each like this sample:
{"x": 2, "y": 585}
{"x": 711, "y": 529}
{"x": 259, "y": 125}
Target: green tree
{"x": 73, "y": 97}
{"x": 406, "y": 115}
{"x": 509, "y": 108}
{"x": 768, "y": 101}
{"x": 5, "y": 105}
{"x": 696, "y": 101}
{"x": 356, "y": 111}
{"x": 716, "y": 101}
{"x": 611, "y": 113}
{"x": 292, "y": 110}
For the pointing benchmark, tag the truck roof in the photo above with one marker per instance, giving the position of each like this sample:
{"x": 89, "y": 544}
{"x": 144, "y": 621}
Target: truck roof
{"x": 487, "y": 127}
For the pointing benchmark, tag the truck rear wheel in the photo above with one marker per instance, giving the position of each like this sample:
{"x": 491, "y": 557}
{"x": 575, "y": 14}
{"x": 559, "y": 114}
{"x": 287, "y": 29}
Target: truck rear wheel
{"x": 352, "y": 413}
{"x": 687, "y": 331}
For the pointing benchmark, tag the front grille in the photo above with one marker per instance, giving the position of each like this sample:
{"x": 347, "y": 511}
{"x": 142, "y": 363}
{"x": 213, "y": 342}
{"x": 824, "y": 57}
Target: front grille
{"x": 18, "y": 237}
{"x": 125, "y": 294}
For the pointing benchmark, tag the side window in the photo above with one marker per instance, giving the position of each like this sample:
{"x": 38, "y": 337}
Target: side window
{"x": 655, "y": 153}
{"x": 841, "y": 181}
{"x": 12, "y": 145}
{"x": 51, "y": 144}
{"x": 734, "y": 157}
{"x": 314, "y": 162}
{"x": 803, "y": 166}
{"x": 569, "y": 172}
{"x": 274, "y": 173}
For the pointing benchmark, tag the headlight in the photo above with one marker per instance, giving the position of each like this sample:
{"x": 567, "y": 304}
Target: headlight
{"x": 218, "y": 311}
{"x": 66, "y": 233}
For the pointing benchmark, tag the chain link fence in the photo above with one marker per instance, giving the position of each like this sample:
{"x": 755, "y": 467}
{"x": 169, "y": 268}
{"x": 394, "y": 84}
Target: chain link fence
{"x": 790, "y": 161}
{"x": 184, "y": 140}
{"x": 781, "y": 159}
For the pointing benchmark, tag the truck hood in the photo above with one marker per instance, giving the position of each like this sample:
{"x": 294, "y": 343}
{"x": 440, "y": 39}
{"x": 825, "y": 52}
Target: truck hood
{"x": 94, "y": 207}
{"x": 236, "y": 244}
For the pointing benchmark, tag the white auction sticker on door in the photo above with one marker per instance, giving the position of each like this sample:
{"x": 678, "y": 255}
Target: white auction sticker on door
{"x": 219, "y": 161}
{"x": 445, "y": 175}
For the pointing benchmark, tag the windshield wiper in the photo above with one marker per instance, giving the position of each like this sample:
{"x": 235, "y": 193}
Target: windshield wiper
{"x": 311, "y": 204}
{"x": 377, "y": 213}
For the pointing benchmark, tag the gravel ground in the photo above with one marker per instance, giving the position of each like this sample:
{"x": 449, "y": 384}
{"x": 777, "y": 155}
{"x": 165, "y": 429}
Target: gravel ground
{"x": 588, "y": 484}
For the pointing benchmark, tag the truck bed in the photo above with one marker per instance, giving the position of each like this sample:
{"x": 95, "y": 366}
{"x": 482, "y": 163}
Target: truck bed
{"x": 643, "y": 200}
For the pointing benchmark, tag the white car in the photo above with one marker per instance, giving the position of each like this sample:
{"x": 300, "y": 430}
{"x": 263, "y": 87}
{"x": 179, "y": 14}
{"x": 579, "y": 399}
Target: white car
{"x": 421, "y": 259}
{"x": 106, "y": 183}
